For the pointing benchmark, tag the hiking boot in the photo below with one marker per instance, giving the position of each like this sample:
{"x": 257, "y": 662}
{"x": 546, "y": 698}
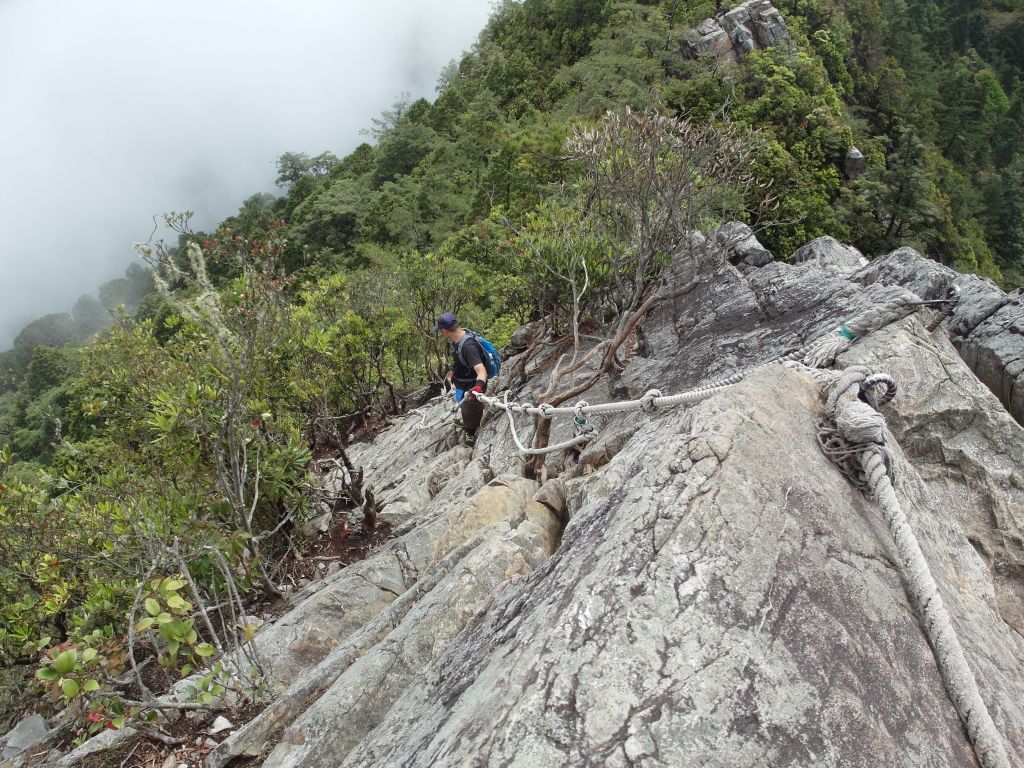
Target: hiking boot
{"x": 469, "y": 439}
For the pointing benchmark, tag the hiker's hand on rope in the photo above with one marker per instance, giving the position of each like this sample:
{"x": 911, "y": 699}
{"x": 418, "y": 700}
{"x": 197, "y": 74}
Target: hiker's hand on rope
{"x": 478, "y": 389}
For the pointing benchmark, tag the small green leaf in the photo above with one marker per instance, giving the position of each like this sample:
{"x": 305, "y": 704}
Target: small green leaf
{"x": 118, "y": 722}
{"x": 48, "y": 674}
{"x": 175, "y": 602}
{"x": 143, "y": 624}
{"x": 90, "y": 685}
{"x": 205, "y": 649}
{"x": 152, "y": 606}
{"x": 69, "y": 687}
{"x": 186, "y": 670}
{"x": 164, "y": 618}
{"x": 88, "y": 655}
{"x": 65, "y": 662}
{"x": 172, "y": 648}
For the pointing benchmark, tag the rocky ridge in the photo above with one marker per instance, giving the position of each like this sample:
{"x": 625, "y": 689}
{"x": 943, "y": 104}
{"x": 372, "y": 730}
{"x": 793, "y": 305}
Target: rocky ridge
{"x": 699, "y": 586}
{"x": 750, "y": 26}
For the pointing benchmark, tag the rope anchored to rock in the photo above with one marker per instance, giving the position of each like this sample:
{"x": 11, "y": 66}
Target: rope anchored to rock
{"x": 820, "y": 352}
{"x": 853, "y": 435}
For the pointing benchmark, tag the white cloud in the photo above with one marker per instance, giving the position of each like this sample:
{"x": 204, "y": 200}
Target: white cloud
{"x": 116, "y": 110}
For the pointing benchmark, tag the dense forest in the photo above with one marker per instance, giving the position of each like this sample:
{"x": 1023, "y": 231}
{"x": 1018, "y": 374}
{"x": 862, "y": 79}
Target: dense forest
{"x": 157, "y": 441}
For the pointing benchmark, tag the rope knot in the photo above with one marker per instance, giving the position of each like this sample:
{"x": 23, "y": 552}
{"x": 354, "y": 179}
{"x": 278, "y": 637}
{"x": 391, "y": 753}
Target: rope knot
{"x": 853, "y": 429}
{"x": 545, "y": 410}
{"x": 647, "y": 404}
{"x": 578, "y": 410}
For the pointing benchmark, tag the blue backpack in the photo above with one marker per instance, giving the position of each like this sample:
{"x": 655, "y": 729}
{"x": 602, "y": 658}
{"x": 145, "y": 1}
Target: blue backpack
{"x": 492, "y": 358}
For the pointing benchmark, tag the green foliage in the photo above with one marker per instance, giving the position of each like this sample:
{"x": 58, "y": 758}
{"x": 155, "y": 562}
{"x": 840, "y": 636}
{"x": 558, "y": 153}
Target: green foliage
{"x": 318, "y": 304}
{"x": 55, "y": 330}
{"x": 293, "y": 166}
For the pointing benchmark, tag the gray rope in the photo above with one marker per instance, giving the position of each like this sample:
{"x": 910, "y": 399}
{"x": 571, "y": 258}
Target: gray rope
{"x": 853, "y": 435}
{"x": 824, "y": 350}
{"x": 819, "y": 353}
{"x": 581, "y": 437}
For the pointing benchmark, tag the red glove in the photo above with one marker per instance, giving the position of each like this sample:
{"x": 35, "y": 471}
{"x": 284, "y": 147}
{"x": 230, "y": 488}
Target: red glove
{"x": 478, "y": 389}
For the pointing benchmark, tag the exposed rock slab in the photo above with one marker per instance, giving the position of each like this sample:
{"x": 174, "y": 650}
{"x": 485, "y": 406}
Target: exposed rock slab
{"x": 751, "y": 26}
{"x": 365, "y": 692}
{"x": 831, "y": 256}
{"x": 987, "y": 326}
{"x": 711, "y": 606}
{"x": 30, "y": 731}
{"x": 349, "y": 599}
{"x": 967, "y": 449}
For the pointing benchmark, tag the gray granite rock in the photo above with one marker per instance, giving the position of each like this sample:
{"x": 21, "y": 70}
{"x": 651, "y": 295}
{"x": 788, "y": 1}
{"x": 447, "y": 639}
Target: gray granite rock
{"x": 986, "y": 327}
{"x": 967, "y": 449}
{"x": 831, "y": 256}
{"x": 709, "y": 605}
{"x": 31, "y": 731}
{"x": 741, "y": 245}
{"x": 754, "y": 25}
{"x": 854, "y": 163}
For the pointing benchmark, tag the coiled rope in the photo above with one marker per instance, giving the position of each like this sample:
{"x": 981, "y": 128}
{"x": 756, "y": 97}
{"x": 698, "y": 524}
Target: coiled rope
{"x": 853, "y": 436}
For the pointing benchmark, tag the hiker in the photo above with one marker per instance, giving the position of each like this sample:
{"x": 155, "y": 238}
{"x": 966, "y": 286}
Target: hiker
{"x": 470, "y": 358}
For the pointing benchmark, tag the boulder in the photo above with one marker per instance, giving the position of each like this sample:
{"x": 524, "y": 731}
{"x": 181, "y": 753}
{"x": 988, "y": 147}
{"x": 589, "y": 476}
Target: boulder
{"x": 854, "y": 163}
{"x": 31, "y": 731}
{"x": 754, "y": 25}
{"x": 830, "y": 255}
{"x": 739, "y": 242}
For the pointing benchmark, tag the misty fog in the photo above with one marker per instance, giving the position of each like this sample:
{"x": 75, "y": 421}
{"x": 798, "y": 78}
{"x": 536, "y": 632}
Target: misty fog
{"x": 114, "y": 111}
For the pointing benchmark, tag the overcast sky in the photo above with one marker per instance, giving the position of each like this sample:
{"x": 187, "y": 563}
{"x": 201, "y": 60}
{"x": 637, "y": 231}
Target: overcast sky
{"x": 112, "y": 111}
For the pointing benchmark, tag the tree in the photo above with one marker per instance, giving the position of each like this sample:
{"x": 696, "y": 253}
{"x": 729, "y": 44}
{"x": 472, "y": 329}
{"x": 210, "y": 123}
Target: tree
{"x": 53, "y": 330}
{"x": 904, "y": 203}
{"x": 402, "y": 150}
{"x": 650, "y": 183}
{"x": 90, "y": 316}
{"x": 389, "y": 120}
{"x": 244, "y": 334}
{"x": 292, "y": 166}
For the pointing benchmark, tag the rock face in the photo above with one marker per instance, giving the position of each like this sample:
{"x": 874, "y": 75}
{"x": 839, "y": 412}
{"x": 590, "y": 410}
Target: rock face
{"x": 740, "y": 244}
{"x": 720, "y": 595}
{"x": 701, "y": 612}
{"x": 830, "y": 256}
{"x": 26, "y": 734}
{"x": 751, "y": 26}
{"x": 698, "y": 586}
{"x": 987, "y": 326}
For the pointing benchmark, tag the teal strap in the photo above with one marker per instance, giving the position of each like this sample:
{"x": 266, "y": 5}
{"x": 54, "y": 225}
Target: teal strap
{"x": 846, "y": 333}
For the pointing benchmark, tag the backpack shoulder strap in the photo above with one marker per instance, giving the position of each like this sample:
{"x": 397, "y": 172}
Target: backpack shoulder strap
{"x": 457, "y": 348}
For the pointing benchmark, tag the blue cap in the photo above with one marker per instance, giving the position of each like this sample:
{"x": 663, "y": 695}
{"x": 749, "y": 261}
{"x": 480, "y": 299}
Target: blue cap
{"x": 446, "y": 322}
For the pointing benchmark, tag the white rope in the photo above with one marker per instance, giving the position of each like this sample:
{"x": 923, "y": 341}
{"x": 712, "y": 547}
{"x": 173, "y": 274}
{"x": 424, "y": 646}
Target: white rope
{"x": 826, "y": 348}
{"x": 818, "y": 353}
{"x": 651, "y": 401}
{"x": 853, "y": 435}
{"x": 577, "y": 440}
{"x": 448, "y": 411}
